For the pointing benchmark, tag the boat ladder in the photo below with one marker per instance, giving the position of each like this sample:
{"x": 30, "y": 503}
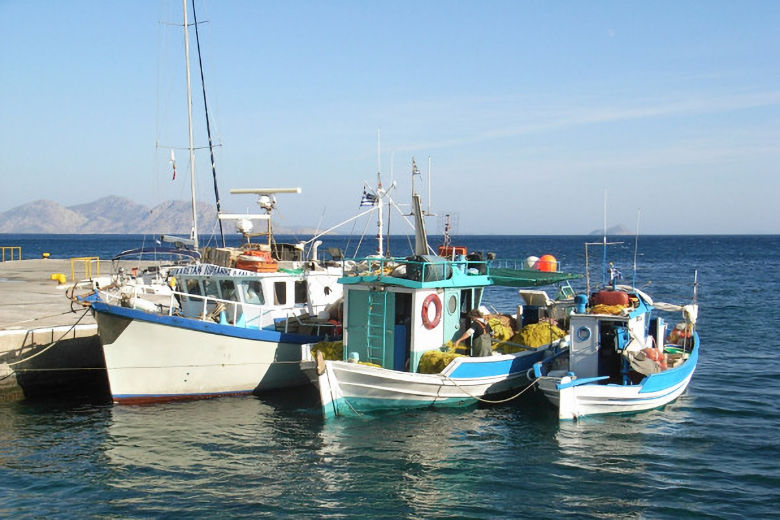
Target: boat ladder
{"x": 376, "y": 327}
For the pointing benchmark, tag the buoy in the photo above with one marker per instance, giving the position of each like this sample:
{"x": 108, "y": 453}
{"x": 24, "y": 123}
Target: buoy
{"x": 531, "y": 261}
{"x": 58, "y": 277}
{"x": 547, "y": 263}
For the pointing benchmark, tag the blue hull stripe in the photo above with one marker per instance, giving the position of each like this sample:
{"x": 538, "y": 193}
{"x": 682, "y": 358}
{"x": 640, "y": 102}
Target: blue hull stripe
{"x": 673, "y": 376}
{"x": 496, "y": 368}
{"x": 203, "y": 326}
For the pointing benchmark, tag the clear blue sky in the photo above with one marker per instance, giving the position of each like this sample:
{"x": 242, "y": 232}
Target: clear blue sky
{"x": 529, "y": 110}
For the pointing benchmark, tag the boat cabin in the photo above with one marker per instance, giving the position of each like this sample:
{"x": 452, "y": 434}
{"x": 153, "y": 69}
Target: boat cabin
{"x": 398, "y": 309}
{"x": 250, "y": 299}
{"x": 616, "y": 322}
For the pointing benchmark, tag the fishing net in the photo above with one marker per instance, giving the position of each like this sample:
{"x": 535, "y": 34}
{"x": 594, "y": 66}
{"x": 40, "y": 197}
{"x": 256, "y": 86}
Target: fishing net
{"x": 331, "y": 350}
{"x": 434, "y": 361}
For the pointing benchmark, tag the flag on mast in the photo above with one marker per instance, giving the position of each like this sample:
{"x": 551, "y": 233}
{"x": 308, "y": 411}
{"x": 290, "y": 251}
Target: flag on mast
{"x": 173, "y": 164}
{"x": 368, "y": 199}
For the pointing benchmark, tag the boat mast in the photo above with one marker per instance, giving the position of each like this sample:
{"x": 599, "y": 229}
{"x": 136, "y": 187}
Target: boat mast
{"x": 208, "y": 125}
{"x": 420, "y": 236}
{"x": 604, "y": 244}
{"x": 194, "y": 233}
{"x": 636, "y": 248}
{"x": 379, "y": 195}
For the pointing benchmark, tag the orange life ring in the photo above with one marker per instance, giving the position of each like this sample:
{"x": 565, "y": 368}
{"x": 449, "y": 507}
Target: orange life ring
{"x": 427, "y": 322}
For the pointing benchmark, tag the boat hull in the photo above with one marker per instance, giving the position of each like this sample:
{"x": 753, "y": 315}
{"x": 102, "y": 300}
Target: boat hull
{"x": 654, "y": 391}
{"x": 161, "y": 358}
{"x": 348, "y": 389}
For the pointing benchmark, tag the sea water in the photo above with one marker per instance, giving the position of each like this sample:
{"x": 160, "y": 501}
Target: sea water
{"x": 710, "y": 454}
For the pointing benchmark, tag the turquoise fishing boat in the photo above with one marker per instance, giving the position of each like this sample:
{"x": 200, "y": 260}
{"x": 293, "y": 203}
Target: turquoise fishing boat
{"x": 400, "y": 311}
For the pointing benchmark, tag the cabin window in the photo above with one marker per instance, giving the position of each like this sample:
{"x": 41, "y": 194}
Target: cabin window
{"x": 228, "y": 290}
{"x": 452, "y": 304}
{"x": 211, "y": 288}
{"x": 300, "y": 291}
{"x": 253, "y": 292}
{"x": 193, "y": 287}
{"x": 280, "y": 293}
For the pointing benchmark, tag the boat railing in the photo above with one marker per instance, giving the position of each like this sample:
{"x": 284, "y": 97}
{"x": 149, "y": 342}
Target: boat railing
{"x": 520, "y": 264}
{"x": 418, "y": 268}
{"x": 237, "y": 313}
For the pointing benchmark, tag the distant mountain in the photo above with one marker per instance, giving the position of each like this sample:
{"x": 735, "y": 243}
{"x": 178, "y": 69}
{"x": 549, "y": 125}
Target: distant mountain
{"x": 107, "y": 215}
{"x": 41, "y": 216}
{"x": 614, "y": 230}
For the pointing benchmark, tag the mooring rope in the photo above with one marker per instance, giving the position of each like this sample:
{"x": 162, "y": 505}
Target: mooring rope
{"x": 488, "y": 401}
{"x": 53, "y": 344}
{"x": 34, "y": 319}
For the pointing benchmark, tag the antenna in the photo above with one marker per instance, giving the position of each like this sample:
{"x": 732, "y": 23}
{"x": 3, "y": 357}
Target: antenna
{"x": 429, "y": 185}
{"x": 636, "y": 248}
{"x": 604, "y": 245}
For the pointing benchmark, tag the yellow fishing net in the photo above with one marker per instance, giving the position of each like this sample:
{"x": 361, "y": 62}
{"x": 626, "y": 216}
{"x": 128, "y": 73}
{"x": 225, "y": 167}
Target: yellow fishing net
{"x": 434, "y": 361}
{"x": 502, "y": 329}
{"x": 331, "y": 350}
{"x": 531, "y": 336}
{"x": 607, "y": 309}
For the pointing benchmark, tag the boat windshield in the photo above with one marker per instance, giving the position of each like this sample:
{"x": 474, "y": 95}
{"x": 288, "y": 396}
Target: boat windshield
{"x": 228, "y": 290}
{"x": 252, "y": 292}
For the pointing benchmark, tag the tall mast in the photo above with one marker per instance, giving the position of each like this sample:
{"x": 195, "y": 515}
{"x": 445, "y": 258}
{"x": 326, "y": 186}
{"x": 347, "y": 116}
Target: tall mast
{"x": 604, "y": 244}
{"x": 189, "y": 124}
{"x": 379, "y": 192}
{"x": 208, "y": 125}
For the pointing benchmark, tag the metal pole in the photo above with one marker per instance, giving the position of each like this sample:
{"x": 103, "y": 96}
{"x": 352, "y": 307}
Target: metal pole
{"x": 189, "y": 123}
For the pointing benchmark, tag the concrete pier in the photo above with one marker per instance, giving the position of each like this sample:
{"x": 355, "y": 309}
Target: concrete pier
{"x": 47, "y": 345}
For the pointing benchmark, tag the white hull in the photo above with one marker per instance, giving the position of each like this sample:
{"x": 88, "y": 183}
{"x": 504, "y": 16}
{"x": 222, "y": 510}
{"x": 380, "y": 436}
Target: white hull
{"x": 353, "y": 389}
{"x": 574, "y": 401}
{"x": 152, "y": 361}
{"x": 593, "y": 399}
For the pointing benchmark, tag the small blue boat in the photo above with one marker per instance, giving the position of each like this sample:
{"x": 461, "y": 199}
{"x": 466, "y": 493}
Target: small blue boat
{"x": 621, "y": 358}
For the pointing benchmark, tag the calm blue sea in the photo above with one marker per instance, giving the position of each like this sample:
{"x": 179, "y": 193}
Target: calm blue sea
{"x": 711, "y": 454}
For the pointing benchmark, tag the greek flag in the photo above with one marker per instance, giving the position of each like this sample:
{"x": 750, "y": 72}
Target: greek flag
{"x": 368, "y": 199}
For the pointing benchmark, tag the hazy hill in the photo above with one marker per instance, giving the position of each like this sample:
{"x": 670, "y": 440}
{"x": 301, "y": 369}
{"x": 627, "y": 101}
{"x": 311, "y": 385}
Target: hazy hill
{"x": 614, "y": 230}
{"x": 106, "y": 215}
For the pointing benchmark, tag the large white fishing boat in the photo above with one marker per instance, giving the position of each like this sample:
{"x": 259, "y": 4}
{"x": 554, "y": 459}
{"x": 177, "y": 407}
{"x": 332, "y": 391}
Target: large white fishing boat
{"x": 232, "y": 324}
{"x": 223, "y": 331}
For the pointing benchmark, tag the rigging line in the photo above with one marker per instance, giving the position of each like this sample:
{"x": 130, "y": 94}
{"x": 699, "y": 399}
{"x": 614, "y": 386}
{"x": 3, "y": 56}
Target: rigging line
{"x": 186, "y": 148}
{"x": 208, "y": 126}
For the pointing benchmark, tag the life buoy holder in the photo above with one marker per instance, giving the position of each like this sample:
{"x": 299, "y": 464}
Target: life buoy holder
{"x": 429, "y": 323}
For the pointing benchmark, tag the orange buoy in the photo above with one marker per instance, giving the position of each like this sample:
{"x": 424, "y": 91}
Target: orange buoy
{"x": 547, "y": 263}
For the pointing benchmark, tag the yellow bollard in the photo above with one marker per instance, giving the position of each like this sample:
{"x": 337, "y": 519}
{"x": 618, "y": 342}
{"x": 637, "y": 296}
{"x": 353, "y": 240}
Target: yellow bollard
{"x": 45, "y": 255}
{"x": 59, "y": 277}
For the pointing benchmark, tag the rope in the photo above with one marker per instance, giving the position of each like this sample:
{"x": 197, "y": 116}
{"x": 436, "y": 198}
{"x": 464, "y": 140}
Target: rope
{"x": 53, "y": 344}
{"x": 488, "y": 401}
{"x": 34, "y": 319}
